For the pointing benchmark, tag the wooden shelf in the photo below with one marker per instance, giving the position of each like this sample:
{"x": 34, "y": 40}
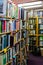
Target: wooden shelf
{"x": 40, "y": 17}
{"x": 40, "y": 34}
{"x": 19, "y": 41}
{"x": 9, "y": 32}
{"x": 32, "y": 17}
{"x": 32, "y": 34}
{"x": 22, "y": 48}
{"x": 4, "y": 49}
{"x": 9, "y": 62}
{"x": 5, "y": 33}
{"x": 16, "y": 53}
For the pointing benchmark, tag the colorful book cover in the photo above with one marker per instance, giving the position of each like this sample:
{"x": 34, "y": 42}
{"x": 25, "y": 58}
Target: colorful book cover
{"x": 1, "y": 59}
{"x": 8, "y": 55}
{"x": 0, "y": 26}
{"x": 25, "y": 14}
{"x": 15, "y": 39}
{"x": 8, "y": 39}
{"x": 11, "y": 53}
{"x": 20, "y": 24}
{"x": 14, "y": 24}
{"x": 22, "y": 14}
{"x": 4, "y": 41}
{"x": 0, "y": 43}
{"x": 17, "y": 25}
{"x": 4, "y": 59}
{"x": 11, "y": 40}
{"x": 3, "y": 26}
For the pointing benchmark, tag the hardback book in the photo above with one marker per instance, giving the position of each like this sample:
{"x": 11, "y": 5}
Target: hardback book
{"x": 4, "y": 41}
{"x": 41, "y": 26}
{"x": 3, "y": 25}
{"x": 18, "y": 47}
{"x": 11, "y": 41}
{"x": 0, "y": 26}
{"x": 3, "y": 4}
{"x": 13, "y": 51}
{"x": 25, "y": 14}
{"x": 18, "y": 36}
{"x": 39, "y": 21}
{"x": 20, "y": 24}
{"x": 41, "y": 38}
{"x": 8, "y": 26}
{"x": 11, "y": 54}
{"x": 8, "y": 55}
{"x": 22, "y": 13}
{"x": 41, "y": 43}
{"x": 8, "y": 40}
{"x": 0, "y": 43}
{"x": 14, "y": 60}
{"x": 17, "y": 25}
{"x": 15, "y": 38}
{"x": 3, "y": 59}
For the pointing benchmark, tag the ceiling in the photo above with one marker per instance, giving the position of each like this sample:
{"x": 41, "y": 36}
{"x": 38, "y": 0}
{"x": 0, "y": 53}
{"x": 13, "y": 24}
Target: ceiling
{"x": 24, "y": 1}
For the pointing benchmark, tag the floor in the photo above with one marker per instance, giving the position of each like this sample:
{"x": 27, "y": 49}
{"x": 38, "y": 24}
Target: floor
{"x": 35, "y": 60}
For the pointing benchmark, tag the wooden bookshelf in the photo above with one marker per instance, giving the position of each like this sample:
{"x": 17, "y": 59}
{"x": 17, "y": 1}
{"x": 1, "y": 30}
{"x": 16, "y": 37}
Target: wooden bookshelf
{"x": 38, "y": 33}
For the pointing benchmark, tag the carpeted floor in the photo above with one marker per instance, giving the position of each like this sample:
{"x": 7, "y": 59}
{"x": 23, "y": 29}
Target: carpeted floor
{"x": 35, "y": 60}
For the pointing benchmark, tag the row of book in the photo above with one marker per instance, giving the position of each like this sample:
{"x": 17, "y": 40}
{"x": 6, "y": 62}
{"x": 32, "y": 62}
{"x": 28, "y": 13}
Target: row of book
{"x": 6, "y": 7}
{"x": 32, "y": 13}
{"x": 10, "y": 40}
{"x": 8, "y": 26}
{"x": 13, "y": 54}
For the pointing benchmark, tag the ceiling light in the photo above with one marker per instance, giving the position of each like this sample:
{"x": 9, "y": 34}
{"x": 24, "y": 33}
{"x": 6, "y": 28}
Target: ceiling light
{"x": 30, "y": 4}
{"x": 32, "y": 7}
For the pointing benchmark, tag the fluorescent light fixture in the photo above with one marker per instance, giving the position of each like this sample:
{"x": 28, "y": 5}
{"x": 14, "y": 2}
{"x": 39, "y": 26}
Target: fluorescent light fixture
{"x": 30, "y": 4}
{"x": 32, "y": 7}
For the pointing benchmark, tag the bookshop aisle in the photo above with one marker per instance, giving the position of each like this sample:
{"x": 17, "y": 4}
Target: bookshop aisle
{"x": 21, "y": 32}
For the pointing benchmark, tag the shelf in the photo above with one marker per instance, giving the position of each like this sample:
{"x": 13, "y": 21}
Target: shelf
{"x": 9, "y": 32}
{"x": 31, "y": 29}
{"x": 32, "y": 17}
{"x": 40, "y": 17}
{"x": 40, "y": 34}
{"x": 22, "y": 48}
{"x": 5, "y": 33}
{"x": 32, "y": 34}
{"x": 19, "y": 41}
{"x": 9, "y": 62}
{"x": 16, "y": 53}
{"x": 4, "y": 50}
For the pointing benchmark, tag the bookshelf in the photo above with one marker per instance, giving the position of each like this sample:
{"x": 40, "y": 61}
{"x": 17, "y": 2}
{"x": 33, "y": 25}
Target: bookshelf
{"x": 13, "y": 35}
{"x": 35, "y": 27}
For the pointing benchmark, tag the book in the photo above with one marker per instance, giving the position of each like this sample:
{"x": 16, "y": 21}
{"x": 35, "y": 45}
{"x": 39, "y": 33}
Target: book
{"x": 0, "y": 43}
{"x": 13, "y": 51}
{"x": 14, "y": 60}
{"x": 3, "y": 25}
{"x": 11, "y": 54}
{"x": 8, "y": 55}
{"x": 22, "y": 13}
{"x": 25, "y": 12}
{"x": 17, "y": 25}
{"x": 11, "y": 41}
{"x": 20, "y": 24}
{"x": 18, "y": 35}
{"x": 3, "y": 59}
{"x": 15, "y": 38}
{"x": 4, "y": 41}
{"x": 8, "y": 40}
{"x": 41, "y": 43}
{"x": 0, "y": 26}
